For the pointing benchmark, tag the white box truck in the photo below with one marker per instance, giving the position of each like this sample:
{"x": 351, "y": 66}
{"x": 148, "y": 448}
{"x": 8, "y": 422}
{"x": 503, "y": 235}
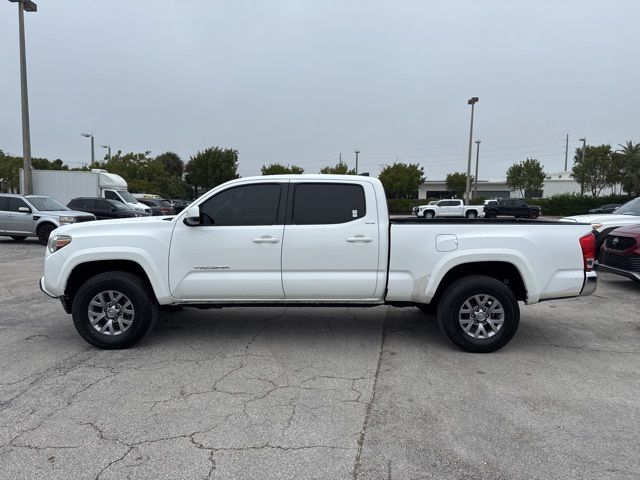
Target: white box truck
{"x": 63, "y": 185}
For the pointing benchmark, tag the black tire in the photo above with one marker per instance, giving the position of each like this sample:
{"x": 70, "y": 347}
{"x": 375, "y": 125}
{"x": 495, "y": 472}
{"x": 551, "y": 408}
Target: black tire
{"x": 145, "y": 308}
{"x": 491, "y": 214}
{"x": 428, "y": 308}
{"x": 472, "y": 214}
{"x": 429, "y": 214}
{"x": 451, "y": 303}
{"x": 18, "y": 238}
{"x": 43, "y": 232}
{"x": 533, "y": 215}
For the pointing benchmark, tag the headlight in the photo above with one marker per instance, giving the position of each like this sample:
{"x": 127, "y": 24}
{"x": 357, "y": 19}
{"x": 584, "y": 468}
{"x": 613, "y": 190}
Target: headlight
{"x": 64, "y": 220}
{"x": 56, "y": 242}
{"x": 596, "y": 226}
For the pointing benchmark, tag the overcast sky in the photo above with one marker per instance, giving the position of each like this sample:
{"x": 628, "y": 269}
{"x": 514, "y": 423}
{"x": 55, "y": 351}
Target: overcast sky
{"x": 302, "y": 81}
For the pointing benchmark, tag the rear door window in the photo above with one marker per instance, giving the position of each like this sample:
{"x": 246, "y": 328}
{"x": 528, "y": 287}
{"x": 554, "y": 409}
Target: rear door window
{"x": 327, "y": 203}
{"x": 4, "y": 204}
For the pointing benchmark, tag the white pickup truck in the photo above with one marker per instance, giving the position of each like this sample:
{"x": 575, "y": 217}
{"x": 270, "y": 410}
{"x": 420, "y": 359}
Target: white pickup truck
{"x": 314, "y": 240}
{"x": 449, "y": 207}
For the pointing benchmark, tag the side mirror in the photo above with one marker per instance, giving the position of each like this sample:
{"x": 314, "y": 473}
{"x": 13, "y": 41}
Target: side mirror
{"x": 24, "y": 209}
{"x": 192, "y": 217}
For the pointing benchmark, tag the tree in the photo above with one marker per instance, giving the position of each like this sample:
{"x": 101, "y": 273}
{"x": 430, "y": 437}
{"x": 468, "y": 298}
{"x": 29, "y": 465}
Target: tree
{"x": 212, "y": 167}
{"x": 594, "y": 170}
{"x": 457, "y": 182}
{"x": 526, "y": 176}
{"x": 144, "y": 174}
{"x": 279, "y": 169}
{"x": 629, "y": 166}
{"x": 401, "y": 180}
{"x": 339, "y": 168}
{"x": 172, "y": 163}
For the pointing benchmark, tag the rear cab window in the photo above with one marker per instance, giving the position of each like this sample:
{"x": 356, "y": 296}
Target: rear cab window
{"x": 327, "y": 203}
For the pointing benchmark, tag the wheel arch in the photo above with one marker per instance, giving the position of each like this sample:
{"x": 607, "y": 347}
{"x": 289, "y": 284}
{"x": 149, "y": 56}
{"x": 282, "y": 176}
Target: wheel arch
{"x": 503, "y": 271}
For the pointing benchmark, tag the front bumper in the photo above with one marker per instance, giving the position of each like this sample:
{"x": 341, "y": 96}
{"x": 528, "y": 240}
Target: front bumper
{"x": 44, "y": 289}
{"x": 619, "y": 271}
{"x": 590, "y": 284}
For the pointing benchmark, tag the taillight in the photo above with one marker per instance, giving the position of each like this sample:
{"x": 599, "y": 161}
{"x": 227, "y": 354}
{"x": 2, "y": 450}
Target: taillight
{"x": 588, "y": 246}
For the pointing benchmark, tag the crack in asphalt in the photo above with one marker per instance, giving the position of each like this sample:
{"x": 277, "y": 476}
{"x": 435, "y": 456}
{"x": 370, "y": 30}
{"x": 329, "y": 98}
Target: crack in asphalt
{"x": 383, "y": 334}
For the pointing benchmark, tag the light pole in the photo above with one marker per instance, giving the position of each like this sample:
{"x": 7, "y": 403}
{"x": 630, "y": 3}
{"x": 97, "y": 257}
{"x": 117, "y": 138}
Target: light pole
{"x": 472, "y": 101}
{"x": 357, "y": 153}
{"x": 29, "y": 6}
{"x": 93, "y": 152}
{"x": 475, "y": 187}
{"x": 108, "y": 147}
{"x": 582, "y": 157}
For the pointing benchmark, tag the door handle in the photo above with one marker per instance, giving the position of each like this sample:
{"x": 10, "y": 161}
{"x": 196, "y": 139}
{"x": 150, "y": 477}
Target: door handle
{"x": 359, "y": 239}
{"x": 266, "y": 239}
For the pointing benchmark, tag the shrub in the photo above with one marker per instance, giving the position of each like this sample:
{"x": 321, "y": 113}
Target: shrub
{"x": 574, "y": 204}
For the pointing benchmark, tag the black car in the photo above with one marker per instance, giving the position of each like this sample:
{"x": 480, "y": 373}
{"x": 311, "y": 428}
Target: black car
{"x": 158, "y": 206}
{"x": 179, "y": 204}
{"x": 609, "y": 208}
{"x": 104, "y": 208}
{"x": 512, "y": 207}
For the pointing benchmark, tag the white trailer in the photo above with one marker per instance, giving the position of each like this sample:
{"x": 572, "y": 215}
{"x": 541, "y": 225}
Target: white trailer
{"x": 63, "y": 185}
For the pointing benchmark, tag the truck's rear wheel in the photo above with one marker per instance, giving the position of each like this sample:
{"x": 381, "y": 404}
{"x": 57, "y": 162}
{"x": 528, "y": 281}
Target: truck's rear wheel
{"x": 472, "y": 214}
{"x": 479, "y": 314}
{"x": 114, "y": 310}
{"x": 533, "y": 215}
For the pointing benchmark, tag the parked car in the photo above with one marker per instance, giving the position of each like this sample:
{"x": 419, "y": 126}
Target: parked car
{"x": 620, "y": 253}
{"x": 311, "y": 240}
{"x": 512, "y": 207}
{"x": 35, "y": 216}
{"x": 608, "y": 208}
{"x": 105, "y": 209}
{"x": 179, "y": 204}
{"x": 449, "y": 207}
{"x": 159, "y": 206}
{"x": 603, "y": 224}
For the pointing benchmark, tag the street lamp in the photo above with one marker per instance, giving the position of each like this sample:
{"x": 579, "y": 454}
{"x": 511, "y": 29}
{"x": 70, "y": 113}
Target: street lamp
{"x": 582, "y": 157}
{"x": 357, "y": 153}
{"x": 93, "y": 153}
{"x": 108, "y": 147}
{"x": 29, "y": 6}
{"x": 475, "y": 188}
{"x": 472, "y": 101}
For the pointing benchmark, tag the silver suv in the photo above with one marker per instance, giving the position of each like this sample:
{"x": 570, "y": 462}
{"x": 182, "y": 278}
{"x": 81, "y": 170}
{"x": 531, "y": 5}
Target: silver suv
{"x": 23, "y": 216}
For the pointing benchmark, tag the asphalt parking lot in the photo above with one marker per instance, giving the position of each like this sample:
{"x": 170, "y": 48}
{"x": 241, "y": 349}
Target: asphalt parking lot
{"x": 339, "y": 393}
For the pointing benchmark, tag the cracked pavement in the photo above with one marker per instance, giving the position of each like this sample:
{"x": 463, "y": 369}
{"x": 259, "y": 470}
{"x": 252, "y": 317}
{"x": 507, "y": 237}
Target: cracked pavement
{"x": 321, "y": 393}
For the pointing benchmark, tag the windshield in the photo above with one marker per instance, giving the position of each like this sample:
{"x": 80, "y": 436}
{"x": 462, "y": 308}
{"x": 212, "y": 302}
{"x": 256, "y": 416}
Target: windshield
{"x": 629, "y": 208}
{"x": 127, "y": 197}
{"x": 46, "y": 204}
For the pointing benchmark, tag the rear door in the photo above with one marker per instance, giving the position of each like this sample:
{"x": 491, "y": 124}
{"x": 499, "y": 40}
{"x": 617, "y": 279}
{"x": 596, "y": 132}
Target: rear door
{"x": 331, "y": 241}
{"x": 4, "y": 213}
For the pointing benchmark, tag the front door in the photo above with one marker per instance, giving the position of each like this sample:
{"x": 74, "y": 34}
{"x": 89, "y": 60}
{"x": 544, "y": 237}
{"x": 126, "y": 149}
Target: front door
{"x": 235, "y": 252}
{"x": 19, "y": 222}
{"x": 331, "y": 243}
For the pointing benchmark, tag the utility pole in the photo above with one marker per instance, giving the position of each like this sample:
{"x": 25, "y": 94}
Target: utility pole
{"x": 566, "y": 152}
{"x": 29, "y": 6}
{"x": 475, "y": 188}
{"x": 339, "y": 158}
{"x": 357, "y": 153}
{"x": 467, "y": 192}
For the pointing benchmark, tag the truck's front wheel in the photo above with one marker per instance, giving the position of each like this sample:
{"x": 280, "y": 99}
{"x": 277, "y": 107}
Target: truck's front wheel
{"x": 114, "y": 310}
{"x": 479, "y": 314}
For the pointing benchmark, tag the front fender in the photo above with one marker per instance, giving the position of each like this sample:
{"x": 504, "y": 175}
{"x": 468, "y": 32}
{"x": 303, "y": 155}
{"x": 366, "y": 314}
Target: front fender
{"x": 58, "y": 268}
